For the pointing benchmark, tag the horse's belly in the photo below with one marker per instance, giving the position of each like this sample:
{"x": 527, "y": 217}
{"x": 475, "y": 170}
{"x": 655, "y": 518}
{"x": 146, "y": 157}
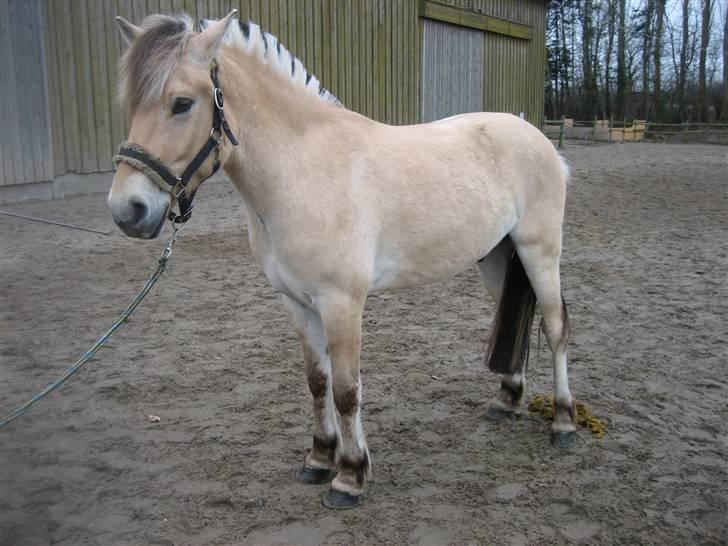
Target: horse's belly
{"x": 416, "y": 260}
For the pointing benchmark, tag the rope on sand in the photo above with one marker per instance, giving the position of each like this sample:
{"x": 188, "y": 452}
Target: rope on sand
{"x": 52, "y": 222}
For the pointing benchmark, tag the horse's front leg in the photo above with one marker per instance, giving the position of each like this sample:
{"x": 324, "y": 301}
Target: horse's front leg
{"x": 319, "y": 465}
{"x": 342, "y": 317}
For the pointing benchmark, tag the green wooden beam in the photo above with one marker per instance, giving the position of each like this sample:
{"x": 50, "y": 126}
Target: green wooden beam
{"x": 473, "y": 19}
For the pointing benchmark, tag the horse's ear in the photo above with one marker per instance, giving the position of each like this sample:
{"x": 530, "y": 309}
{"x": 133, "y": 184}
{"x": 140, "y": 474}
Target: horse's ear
{"x": 210, "y": 39}
{"x": 128, "y": 31}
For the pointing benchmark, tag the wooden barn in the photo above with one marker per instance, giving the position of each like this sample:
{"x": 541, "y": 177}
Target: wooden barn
{"x": 397, "y": 61}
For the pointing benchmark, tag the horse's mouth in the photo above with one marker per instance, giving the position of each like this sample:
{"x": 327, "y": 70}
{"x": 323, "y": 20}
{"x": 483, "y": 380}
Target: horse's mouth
{"x": 143, "y": 231}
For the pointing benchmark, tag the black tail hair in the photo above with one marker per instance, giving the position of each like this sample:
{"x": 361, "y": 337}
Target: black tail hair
{"x": 511, "y": 331}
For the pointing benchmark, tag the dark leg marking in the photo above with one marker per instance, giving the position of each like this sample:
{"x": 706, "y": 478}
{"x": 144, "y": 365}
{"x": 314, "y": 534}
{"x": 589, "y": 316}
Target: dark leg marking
{"x": 346, "y": 400}
{"x": 356, "y": 467}
{"x": 325, "y": 445}
{"x": 514, "y": 391}
{"x": 317, "y": 382}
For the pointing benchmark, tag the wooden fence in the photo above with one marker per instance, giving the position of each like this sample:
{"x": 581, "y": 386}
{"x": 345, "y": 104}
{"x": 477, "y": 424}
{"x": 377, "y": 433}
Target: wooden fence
{"x": 635, "y": 131}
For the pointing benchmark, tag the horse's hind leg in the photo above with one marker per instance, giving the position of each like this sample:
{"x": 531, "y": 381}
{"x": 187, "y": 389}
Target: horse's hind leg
{"x": 540, "y": 259}
{"x": 320, "y": 462}
{"x": 493, "y": 270}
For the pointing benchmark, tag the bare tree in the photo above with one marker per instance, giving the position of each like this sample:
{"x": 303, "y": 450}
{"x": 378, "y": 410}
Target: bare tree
{"x": 704, "y": 43}
{"x": 646, "y": 49}
{"x": 565, "y": 62}
{"x": 589, "y": 83}
{"x": 611, "y": 23}
{"x": 622, "y": 94}
{"x": 657, "y": 52}
{"x": 683, "y": 66}
{"x": 724, "y": 109}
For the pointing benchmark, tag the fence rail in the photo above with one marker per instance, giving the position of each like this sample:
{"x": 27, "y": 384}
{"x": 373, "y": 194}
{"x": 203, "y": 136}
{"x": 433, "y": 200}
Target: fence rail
{"x": 597, "y": 130}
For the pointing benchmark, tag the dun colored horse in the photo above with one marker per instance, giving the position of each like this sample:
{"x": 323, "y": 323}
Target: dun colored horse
{"x": 339, "y": 205}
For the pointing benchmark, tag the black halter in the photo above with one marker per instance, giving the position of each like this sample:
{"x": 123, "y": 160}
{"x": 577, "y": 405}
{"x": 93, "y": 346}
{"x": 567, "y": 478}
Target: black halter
{"x": 139, "y": 158}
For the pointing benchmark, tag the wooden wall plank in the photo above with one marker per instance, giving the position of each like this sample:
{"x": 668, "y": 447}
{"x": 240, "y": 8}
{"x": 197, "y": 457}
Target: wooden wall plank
{"x": 9, "y": 147}
{"x": 113, "y": 52}
{"x": 26, "y": 149}
{"x": 101, "y": 95}
{"x": 56, "y": 120}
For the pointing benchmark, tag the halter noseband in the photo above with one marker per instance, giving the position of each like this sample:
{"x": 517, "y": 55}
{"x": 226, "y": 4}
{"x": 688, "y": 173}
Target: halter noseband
{"x": 139, "y": 158}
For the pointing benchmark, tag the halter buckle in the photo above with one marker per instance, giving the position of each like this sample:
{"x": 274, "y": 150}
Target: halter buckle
{"x": 219, "y": 99}
{"x": 182, "y": 188}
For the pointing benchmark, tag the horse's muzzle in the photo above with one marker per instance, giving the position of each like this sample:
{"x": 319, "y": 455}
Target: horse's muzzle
{"x": 139, "y": 223}
{"x": 138, "y": 206}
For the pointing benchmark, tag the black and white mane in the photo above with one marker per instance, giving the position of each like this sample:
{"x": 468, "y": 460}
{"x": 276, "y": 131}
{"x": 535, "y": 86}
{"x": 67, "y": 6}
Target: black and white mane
{"x": 268, "y": 50}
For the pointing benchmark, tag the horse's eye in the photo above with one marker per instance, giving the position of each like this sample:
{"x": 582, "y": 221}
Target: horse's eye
{"x": 181, "y": 105}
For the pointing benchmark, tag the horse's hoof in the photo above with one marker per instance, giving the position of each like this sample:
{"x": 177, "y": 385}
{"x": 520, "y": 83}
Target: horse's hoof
{"x": 499, "y": 414}
{"x": 315, "y": 476}
{"x": 563, "y": 440}
{"x": 340, "y": 500}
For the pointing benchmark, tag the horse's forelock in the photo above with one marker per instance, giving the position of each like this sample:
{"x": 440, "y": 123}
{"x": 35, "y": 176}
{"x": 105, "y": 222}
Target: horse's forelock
{"x": 151, "y": 59}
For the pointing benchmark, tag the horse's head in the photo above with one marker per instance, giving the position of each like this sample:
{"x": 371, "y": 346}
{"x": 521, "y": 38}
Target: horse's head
{"x": 168, "y": 92}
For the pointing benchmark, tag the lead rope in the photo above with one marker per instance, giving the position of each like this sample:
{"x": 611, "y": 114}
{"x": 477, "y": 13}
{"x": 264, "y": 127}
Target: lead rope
{"x": 162, "y": 264}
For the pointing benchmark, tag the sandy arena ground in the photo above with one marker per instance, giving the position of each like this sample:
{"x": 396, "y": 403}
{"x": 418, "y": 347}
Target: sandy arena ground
{"x": 213, "y": 354}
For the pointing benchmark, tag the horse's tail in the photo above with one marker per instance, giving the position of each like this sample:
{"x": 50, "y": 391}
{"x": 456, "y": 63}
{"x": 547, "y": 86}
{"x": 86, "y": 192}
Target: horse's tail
{"x": 511, "y": 330}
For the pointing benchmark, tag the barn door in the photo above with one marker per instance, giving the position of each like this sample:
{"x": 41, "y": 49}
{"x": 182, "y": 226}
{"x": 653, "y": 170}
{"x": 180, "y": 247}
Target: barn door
{"x": 452, "y": 71}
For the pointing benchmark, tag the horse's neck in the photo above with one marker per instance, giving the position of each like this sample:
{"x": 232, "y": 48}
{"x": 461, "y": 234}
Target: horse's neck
{"x": 269, "y": 116}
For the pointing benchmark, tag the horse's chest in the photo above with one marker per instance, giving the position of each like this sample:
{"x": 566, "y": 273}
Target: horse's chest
{"x": 279, "y": 275}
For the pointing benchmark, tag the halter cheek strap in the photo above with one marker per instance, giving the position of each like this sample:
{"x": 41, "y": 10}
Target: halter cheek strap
{"x": 136, "y": 156}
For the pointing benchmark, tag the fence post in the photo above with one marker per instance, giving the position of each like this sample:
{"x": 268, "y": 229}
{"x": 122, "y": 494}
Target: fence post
{"x": 609, "y": 129}
{"x": 624, "y": 128}
{"x": 594, "y": 130}
{"x": 685, "y": 130}
{"x": 561, "y": 133}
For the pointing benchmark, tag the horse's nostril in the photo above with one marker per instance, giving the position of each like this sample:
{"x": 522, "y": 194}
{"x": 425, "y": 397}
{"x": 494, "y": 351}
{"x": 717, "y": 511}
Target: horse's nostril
{"x": 139, "y": 212}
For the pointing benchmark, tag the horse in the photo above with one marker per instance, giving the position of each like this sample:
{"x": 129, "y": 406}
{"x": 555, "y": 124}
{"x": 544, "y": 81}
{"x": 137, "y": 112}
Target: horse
{"x": 339, "y": 205}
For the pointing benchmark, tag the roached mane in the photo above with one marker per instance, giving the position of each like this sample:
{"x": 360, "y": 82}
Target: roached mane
{"x": 152, "y": 57}
{"x": 268, "y": 50}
